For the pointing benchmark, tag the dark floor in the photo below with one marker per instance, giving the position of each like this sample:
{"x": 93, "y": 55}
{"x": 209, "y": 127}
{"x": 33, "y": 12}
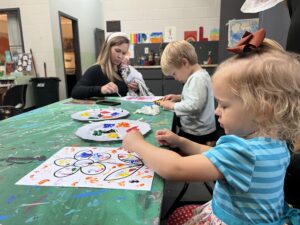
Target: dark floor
{"x": 195, "y": 192}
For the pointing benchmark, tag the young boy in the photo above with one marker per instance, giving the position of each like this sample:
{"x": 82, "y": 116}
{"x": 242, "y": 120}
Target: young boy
{"x": 195, "y": 106}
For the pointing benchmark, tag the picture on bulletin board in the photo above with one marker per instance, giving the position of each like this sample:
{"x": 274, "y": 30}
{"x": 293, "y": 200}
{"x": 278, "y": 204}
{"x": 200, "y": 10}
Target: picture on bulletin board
{"x": 190, "y": 36}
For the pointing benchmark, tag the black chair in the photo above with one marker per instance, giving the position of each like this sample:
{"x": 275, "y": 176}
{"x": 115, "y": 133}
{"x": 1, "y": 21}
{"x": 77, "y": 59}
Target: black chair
{"x": 209, "y": 185}
{"x": 14, "y": 101}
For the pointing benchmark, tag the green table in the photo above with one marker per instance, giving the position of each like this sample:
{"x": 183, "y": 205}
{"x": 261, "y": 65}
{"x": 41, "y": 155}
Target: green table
{"x": 45, "y": 131}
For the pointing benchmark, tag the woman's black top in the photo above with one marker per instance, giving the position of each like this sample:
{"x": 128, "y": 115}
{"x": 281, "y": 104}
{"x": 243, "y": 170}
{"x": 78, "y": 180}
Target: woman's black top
{"x": 91, "y": 82}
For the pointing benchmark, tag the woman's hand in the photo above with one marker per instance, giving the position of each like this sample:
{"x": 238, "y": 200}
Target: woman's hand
{"x": 109, "y": 88}
{"x": 169, "y": 105}
{"x": 133, "y": 86}
{"x": 131, "y": 139}
{"x": 167, "y": 138}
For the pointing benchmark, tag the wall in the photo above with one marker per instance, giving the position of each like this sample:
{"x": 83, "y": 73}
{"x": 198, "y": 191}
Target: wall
{"x": 153, "y": 16}
{"x": 230, "y": 9}
{"x": 89, "y": 17}
{"x": 41, "y": 31}
{"x": 277, "y": 27}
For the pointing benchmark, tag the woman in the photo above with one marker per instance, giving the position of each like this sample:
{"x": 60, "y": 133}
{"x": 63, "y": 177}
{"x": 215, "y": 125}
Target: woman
{"x": 103, "y": 78}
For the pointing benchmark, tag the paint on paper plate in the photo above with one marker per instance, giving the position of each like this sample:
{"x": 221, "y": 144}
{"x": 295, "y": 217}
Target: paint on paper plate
{"x": 94, "y": 167}
{"x": 100, "y": 114}
{"x": 112, "y": 130}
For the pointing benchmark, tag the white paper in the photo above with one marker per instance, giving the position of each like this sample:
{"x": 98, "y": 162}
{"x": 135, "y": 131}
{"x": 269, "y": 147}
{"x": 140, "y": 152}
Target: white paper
{"x": 141, "y": 98}
{"x": 94, "y": 167}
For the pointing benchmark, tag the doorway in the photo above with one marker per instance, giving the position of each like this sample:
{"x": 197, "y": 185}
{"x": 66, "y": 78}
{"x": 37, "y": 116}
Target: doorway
{"x": 71, "y": 50}
{"x": 99, "y": 40}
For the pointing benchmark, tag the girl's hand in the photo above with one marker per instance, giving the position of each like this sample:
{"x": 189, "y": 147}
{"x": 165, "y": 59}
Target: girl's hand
{"x": 133, "y": 86}
{"x": 167, "y": 138}
{"x": 167, "y": 105}
{"x": 132, "y": 138}
{"x": 109, "y": 88}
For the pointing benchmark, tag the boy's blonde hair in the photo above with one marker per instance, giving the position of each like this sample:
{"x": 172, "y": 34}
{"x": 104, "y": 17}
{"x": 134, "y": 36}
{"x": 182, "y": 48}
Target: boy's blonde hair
{"x": 173, "y": 54}
{"x": 267, "y": 80}
{"x": 104, "y": 57}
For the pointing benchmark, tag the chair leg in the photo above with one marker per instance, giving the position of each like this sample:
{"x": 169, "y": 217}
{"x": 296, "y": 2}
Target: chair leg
{"x": 177, "y": 200}
{"x": 209, "y": 188}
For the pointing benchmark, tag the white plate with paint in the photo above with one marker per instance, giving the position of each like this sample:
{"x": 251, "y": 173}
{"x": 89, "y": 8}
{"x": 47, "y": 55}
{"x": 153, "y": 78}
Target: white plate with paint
{"x": 100, "y": 114}
{"x": 112, "y": 130}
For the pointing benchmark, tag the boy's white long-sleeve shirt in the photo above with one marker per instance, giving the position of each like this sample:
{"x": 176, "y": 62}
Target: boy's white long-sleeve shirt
{"x": 196, "y": 108}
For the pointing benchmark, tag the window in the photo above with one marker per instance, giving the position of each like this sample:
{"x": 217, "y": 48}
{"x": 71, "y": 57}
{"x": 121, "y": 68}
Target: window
{"x": 11, "y": 40}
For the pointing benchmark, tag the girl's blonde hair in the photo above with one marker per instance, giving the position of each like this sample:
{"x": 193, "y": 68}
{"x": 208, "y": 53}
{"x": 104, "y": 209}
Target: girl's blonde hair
{"x": 173, "y": 54}
{"x": 104, "y": 57}
{"x": 267, "y": 80}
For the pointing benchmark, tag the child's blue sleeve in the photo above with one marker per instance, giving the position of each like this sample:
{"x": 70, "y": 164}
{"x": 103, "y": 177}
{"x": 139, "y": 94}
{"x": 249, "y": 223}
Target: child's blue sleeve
{"x": 234, "y": 160}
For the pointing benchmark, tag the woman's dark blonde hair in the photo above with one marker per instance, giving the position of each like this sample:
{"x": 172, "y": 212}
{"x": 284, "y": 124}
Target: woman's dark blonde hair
{"x": 104, "y": 57}
{"x": 267, "y": 80}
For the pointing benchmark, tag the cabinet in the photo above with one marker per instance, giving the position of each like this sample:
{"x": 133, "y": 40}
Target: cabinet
{"x": 161, "y": 85}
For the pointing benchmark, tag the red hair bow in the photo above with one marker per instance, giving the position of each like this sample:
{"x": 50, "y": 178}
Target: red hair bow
{"x": 249, "y": 41}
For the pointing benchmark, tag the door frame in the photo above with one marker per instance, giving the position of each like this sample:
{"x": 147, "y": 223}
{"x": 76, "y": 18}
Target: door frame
{"x": 76, "y": 45}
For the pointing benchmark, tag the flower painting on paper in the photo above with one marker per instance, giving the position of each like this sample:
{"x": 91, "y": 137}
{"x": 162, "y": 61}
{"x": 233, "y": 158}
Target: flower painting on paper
{"x": 95, "y": 167}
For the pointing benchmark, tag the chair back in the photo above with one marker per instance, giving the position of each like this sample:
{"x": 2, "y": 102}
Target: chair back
{"x": 15, "y": 96}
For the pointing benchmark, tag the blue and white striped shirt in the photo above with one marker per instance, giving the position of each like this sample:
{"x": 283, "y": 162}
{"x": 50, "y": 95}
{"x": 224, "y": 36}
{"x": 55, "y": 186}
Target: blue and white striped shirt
{"x": 254, "y": 171}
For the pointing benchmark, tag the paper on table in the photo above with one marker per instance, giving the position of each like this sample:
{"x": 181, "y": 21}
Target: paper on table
{"x": 94, "y": 167}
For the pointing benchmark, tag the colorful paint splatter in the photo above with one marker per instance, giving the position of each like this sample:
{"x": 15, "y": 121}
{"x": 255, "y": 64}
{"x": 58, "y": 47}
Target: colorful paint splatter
{"x": 112, "y": 130}
{"x": 96, "y": 167}
{"x": 100, "y": 114}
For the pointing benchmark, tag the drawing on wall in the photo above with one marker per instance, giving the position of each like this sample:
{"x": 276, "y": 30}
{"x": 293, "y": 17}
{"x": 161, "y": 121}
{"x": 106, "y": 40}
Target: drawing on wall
{"x": 94, "y": 167}
{"x": 100, "y": 114}
{"x": 24, "y": 62}
{"x": 170, "y": 34}
{"x": 237, "y": 28}
{"x": 156, "y": 37}
{"x": 112, "y": 130}
{"x": 190, "y": 36}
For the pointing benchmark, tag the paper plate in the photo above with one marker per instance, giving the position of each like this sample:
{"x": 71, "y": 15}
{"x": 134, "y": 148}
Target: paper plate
{"x": 100, "y": 114}
{"x": 112, "y": 130}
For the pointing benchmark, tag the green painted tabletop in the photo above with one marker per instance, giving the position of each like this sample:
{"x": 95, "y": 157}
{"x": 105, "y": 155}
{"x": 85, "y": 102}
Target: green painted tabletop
{"x": 43, "y": 132}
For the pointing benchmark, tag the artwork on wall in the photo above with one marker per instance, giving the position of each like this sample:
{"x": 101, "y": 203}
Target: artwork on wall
{"x": 156, "y": 37}
{"x": 24, "y": 62}
{"x": 9, "y": 68}
{"x": 170, "y": 34}
{"x": 237, "y": 28}
{"x": 190, "y": 36}
{"x": 94, "y": 167}
{"x": 138, "y": 38}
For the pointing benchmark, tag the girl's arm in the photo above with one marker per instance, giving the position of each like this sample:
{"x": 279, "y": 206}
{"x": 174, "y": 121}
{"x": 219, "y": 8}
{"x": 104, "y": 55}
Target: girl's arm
{"x": 168, "y": 138}
{"x": 169, "y": 164}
